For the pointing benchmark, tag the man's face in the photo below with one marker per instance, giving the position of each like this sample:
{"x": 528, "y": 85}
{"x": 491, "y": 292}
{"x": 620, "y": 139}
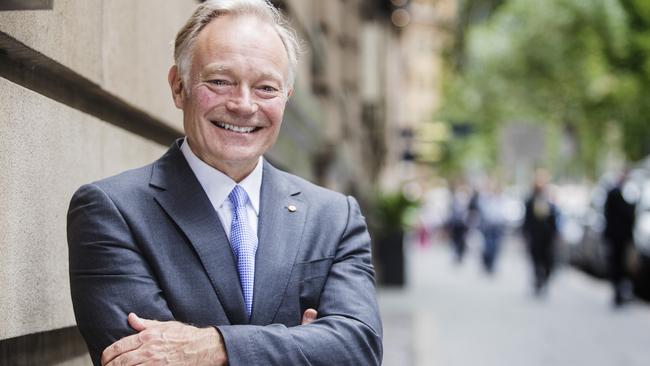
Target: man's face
{"x": 237, "y": 93}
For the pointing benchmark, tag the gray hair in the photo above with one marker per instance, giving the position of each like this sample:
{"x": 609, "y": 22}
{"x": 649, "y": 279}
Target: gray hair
{"x": 212, "y": 9}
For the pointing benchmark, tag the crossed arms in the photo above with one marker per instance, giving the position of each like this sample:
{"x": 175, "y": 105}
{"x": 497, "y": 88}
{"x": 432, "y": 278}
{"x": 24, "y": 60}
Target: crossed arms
{"x": 110, "y": 278}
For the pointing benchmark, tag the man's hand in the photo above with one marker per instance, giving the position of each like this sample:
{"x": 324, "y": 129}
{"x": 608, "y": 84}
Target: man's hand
{"x": 172, "y": 343}
{"x": 166, "y": 343}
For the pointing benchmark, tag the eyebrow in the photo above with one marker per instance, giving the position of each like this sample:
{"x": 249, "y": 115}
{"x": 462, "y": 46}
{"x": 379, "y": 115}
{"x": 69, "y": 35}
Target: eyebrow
{"x": 215, "y": 68}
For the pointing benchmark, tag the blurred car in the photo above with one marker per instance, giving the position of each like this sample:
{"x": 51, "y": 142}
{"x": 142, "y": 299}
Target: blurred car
{"x": 572, "y": 202}
{"x": 581, "y": 229}
{"x": 583, "y": 233}
{"x": 513, "y": 209}
{"x": 641, "y": 276}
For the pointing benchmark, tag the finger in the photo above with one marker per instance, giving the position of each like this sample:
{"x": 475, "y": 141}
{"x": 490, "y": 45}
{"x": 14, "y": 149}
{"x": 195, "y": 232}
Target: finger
{"x": 140, "y": 324}
{"x": 132, "y": 358}
{"x": 136, "y": 323}
{"x": 309, "y": 316}
{"x": 124, "y": 345}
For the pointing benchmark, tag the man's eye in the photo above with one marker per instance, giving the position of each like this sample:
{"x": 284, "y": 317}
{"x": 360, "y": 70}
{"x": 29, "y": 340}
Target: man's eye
{"x": 219, "y": 82}
{"x": 269, "y": 89}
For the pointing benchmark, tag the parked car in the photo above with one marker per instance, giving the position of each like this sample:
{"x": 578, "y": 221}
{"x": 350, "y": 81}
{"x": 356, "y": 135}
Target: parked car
{"x": 572, "y": 202}
{"x": 589, "y": 253}
{"x": 586, "y": 248}
{"x": 642, "y": 233}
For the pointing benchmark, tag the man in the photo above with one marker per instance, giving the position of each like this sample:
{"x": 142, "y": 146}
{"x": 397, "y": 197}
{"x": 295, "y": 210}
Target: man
{"x": 619, "y": 227}
{"x": 539, "y": 229}
{"x": 210, "y": 255}
{"x": 492, "y": 224}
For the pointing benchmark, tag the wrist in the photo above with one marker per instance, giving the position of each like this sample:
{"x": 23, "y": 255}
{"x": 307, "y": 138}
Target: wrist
{"x": 216, "y": 347}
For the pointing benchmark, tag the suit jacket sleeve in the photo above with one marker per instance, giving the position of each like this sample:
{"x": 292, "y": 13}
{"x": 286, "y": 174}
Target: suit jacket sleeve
{"x": 348, "y": 329}
{"x": 109, "y": 276}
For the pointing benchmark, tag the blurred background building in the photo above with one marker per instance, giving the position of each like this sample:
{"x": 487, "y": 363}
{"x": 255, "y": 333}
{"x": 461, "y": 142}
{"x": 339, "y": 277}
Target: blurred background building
{"x": 426, "y": 29}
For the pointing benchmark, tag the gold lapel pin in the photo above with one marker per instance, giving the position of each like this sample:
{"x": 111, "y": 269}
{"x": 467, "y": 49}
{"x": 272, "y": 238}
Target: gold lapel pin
{"x": 292, "y": 208}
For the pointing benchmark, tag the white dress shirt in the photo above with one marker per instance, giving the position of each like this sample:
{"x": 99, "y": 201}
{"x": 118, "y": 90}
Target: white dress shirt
{"x": 218, "y": 186}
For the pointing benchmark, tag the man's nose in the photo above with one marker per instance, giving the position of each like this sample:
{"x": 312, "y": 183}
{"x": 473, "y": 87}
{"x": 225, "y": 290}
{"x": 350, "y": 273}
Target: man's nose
{"x": 241, "y": 101}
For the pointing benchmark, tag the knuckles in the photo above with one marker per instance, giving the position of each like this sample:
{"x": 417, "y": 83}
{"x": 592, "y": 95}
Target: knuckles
{"x": 113, "y": 348}
{"x": 147, "y": 336}
{"x": 149, "y": 354}
{"x": 111, "y": 351}
{"x": 124, "y": 360}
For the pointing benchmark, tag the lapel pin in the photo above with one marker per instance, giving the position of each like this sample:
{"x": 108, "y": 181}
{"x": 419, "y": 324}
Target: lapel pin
{"x": 291, "y": 208}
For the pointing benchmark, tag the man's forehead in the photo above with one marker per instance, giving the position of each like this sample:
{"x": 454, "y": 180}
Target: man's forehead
{"x": 231, "y": 32}
{"x": 241, "y": 45}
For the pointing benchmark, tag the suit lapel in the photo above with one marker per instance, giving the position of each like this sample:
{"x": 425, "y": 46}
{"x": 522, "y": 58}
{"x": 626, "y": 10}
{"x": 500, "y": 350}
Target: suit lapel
{"x": 184, "y": 200}
{"x": 280, "y": 233}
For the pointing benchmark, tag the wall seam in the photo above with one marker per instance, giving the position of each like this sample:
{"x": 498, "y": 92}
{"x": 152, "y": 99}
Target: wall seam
{"x": 32, "y": 70}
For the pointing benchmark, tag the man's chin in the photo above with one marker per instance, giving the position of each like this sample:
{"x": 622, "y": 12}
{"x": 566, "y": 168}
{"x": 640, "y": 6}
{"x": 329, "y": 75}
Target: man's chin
{"x": 238, "y": 160}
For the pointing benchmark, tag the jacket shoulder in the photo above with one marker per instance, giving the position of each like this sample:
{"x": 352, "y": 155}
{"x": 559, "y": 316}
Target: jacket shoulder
{"x": 312, "y": 190}
{"x": 126, "y": 183}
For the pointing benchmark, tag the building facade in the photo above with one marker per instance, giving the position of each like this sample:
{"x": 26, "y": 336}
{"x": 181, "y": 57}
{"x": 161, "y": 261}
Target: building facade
{"x": 414, "y": 135}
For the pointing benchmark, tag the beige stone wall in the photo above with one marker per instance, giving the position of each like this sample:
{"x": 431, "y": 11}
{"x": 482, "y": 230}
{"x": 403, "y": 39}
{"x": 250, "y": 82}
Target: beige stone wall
{"x": 48, "y": 151}
{"x": 122, "y": 45}
{"x": 50, "y": 148}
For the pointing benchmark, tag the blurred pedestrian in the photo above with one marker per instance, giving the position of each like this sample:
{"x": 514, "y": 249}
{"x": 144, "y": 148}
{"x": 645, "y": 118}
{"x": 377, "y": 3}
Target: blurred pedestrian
{"x": 491, "y": 224}
{"x": 539, "y": 229}
{"x": 457, "y": 223}
{"x": 619, "y": 225}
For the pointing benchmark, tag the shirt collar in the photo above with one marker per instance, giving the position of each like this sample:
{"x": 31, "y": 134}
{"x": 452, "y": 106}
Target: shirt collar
{"x": 218, "y": 185}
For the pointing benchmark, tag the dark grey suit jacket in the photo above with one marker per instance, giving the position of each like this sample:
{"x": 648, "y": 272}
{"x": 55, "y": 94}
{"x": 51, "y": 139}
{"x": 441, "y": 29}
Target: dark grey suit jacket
{"x": 149, "y": 241}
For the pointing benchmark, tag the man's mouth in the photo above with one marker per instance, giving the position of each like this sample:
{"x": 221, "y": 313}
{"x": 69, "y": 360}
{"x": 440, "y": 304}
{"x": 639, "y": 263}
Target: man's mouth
{"x": 239, "y": 129}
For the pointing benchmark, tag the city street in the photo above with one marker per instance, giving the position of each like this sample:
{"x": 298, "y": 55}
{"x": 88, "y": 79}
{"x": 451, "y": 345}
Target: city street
{"x": 456, "y": 316}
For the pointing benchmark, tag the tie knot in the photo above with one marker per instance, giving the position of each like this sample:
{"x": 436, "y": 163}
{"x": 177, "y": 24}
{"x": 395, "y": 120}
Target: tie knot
{"x": 238, "y": 197}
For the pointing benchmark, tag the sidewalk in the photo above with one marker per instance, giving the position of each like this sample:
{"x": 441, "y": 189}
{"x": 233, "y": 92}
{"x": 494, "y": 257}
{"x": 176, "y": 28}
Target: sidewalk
{"x": 455, "y": 316}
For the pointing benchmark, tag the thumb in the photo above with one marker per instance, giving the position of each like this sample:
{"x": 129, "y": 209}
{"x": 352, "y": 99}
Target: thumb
{"x": 136, "y": 322}
{"x": 309, "y": 316}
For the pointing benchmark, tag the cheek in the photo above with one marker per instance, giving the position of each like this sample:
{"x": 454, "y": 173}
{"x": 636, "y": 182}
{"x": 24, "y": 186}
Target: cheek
{"x": 274, "y": 111}
{"x": 205, "y": 98}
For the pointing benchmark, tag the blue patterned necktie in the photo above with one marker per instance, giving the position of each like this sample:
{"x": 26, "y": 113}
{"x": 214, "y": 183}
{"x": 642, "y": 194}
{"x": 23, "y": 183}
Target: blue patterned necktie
{"x": 244, "y": 244}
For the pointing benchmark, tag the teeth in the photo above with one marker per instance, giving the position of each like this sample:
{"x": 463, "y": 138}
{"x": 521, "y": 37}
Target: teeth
{"x": 235, "y": 128}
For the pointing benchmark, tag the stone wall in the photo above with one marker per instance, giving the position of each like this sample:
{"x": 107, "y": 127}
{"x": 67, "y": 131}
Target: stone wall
{"x": 83, "y": 95}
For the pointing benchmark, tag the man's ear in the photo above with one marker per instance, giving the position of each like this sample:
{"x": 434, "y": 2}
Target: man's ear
{"x": 176, "y": 85}
{"x": 289, "y": 93}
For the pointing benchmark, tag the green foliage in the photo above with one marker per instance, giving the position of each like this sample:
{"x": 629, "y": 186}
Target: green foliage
{"x": 391, "y": 211}
{"x": 577, "y": 63}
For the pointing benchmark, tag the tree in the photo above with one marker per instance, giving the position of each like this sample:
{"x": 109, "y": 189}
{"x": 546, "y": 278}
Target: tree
{"x": 577, "y": 65}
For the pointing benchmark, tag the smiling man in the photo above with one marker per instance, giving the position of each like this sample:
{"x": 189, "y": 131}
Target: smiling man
{"x": 210, "y": 255}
